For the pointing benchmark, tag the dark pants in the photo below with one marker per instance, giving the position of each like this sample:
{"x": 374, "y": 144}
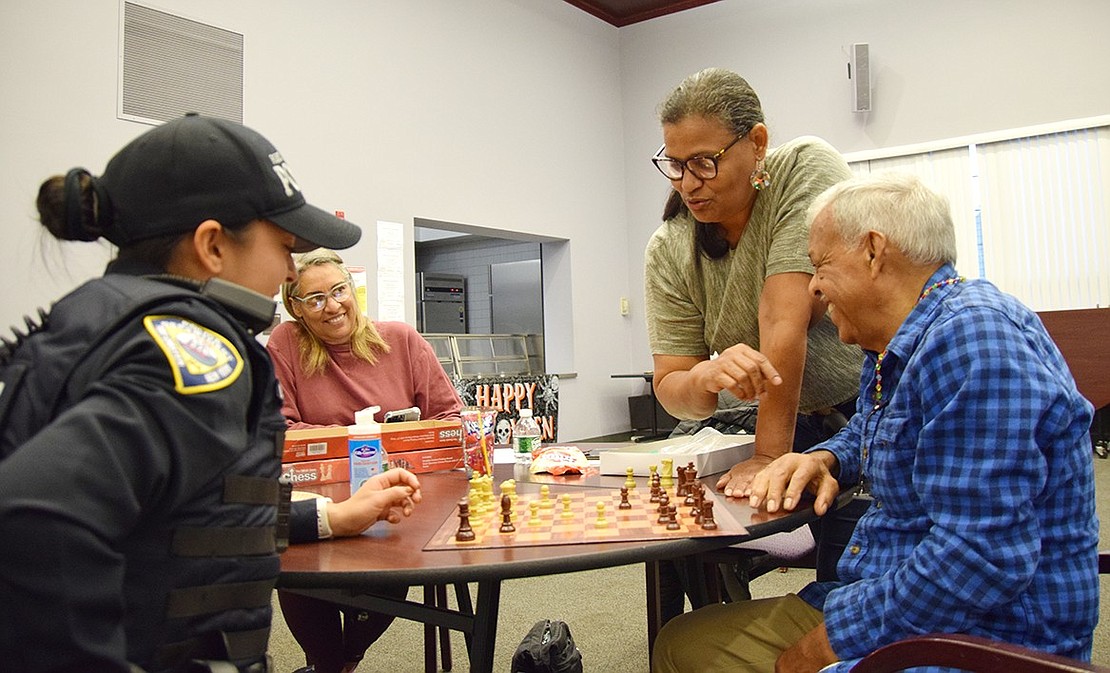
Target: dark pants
{"x": 682, "y": 578}
{"x": 333, "y": 637}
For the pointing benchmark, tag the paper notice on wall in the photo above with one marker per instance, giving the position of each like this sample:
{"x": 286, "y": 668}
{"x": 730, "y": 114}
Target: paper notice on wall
{"x": 391, "y": 271}
{"x": 358, "y": 278}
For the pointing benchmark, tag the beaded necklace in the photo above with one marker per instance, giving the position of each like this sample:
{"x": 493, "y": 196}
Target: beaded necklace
{"x": 878, "y": 393}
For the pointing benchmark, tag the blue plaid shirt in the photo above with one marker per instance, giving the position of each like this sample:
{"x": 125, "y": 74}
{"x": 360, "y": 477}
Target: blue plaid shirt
{"x": 979, "y": 462}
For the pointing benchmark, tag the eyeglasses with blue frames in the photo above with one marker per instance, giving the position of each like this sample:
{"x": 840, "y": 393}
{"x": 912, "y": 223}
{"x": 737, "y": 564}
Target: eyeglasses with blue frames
{"x": 703, "y": 167}
{"x": 316, "y": 301}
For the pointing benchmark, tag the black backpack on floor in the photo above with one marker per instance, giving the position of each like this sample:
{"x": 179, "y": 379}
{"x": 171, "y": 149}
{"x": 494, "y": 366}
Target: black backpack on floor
{"x": 548, "y": 648}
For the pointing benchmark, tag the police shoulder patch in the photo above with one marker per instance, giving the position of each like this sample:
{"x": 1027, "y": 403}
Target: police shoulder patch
{"x": 201, "y": 360}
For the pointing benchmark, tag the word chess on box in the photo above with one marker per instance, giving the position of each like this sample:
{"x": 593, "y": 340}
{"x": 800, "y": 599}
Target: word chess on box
{"x": 525, "y": 514}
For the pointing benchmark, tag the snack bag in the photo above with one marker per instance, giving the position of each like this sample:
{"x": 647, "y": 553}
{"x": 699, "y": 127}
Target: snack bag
{"x": 558, "y": 460}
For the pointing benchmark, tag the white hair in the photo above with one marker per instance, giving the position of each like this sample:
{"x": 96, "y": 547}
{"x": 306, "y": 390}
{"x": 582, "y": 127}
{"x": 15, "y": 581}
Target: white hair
{"x": 916, "y": 219}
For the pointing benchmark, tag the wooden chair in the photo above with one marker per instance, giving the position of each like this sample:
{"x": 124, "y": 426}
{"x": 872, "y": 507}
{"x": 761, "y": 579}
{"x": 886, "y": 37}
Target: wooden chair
{"x": 973, "y": 653}
{"x": 969, "y": 653}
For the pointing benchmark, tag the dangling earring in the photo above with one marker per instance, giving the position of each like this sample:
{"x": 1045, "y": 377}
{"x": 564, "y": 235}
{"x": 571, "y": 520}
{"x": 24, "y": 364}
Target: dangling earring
{"x": 761, "y": 179}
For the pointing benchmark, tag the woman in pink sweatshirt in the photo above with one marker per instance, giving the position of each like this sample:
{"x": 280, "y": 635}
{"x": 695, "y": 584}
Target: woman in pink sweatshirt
{"x": 331, "y": 361}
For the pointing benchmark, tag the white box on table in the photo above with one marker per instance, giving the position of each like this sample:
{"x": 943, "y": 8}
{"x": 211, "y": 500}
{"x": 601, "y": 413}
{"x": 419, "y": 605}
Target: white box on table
{"x": 709, "y": 450}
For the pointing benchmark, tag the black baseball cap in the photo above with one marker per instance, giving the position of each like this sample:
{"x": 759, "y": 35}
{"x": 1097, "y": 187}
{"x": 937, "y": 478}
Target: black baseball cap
{"x": 197, "y": 168}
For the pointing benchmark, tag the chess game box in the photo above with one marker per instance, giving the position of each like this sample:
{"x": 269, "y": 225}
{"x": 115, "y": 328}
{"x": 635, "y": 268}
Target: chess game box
{"x": 420, "y": 435}
{"x": 317, "y": 472}
{"x": 315, "y": 444}
{"x": 331, "y": 442}
{"x": 428, "y": 460}
{"x": 710, "y": 452}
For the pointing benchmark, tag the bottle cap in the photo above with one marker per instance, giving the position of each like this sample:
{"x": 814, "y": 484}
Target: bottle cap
{"x": 366, "y": 416}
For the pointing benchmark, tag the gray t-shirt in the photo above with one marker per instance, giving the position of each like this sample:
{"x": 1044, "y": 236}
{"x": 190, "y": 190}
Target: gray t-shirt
{"x": 697, "y": 306}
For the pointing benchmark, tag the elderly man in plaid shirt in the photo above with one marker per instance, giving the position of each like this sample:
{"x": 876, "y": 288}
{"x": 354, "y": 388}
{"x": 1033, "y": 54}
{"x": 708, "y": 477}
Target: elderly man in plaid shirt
{"x": 970, "y": 439}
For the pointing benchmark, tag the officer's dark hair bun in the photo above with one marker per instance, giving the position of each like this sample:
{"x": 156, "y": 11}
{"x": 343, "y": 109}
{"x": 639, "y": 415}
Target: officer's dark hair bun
{"x": 74, "y": 207}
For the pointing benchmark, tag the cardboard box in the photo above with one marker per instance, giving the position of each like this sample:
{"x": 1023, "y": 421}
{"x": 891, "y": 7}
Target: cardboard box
{"x": 428, "y": 460}
{"x": 315, "y": 444}
{"x": 710, "y": 453}
{"x": 419, "y": 435}
{"x": 317, "y": 472}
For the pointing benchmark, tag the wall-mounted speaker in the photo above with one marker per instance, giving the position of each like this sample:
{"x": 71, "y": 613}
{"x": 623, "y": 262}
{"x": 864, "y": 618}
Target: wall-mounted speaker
{"x": 859, "y": 72}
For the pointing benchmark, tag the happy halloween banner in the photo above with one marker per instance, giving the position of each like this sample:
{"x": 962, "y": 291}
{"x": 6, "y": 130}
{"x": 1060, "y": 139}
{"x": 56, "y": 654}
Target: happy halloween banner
{"x": 509, "y": 394}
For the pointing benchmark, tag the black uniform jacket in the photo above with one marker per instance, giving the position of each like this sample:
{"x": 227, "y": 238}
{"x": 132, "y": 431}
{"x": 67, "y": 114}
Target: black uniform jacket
{"x": 140, "y": 439}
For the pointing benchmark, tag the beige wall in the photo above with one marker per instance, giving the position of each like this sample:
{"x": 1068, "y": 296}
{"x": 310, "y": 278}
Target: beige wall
{"x": 528, "y": 116}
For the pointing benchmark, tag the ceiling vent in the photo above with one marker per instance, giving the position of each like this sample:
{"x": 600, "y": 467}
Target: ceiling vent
{"x": 170, "y": 65}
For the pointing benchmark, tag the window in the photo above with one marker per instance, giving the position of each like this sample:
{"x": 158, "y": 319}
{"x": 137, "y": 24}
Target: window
{"x": 1030, "y": 209}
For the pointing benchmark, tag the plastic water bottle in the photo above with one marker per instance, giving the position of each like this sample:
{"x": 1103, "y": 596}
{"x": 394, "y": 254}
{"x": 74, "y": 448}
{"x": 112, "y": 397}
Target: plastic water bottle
{"x": 526, "y": 437}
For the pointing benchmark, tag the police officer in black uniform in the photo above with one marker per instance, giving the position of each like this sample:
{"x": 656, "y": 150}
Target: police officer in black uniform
{"x": 140, "y": 425}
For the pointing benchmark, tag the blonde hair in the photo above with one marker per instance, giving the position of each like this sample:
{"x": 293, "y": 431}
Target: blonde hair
{"x": 366, "y": 343}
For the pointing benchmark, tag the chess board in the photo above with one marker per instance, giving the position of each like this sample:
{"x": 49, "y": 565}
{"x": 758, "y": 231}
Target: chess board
{"x": 549, "y": 526}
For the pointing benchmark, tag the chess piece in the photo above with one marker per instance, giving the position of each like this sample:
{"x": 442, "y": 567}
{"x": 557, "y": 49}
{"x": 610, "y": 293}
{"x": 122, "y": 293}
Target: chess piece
{"x": 666, "y": 480}
{"x": 630, "y": 479}
{"x": 707, "y": 522}
{"x": 534, "y": 514}
{"x": 601, "y": 522}
{"x": 473, "y": 500}
{"x": 507, "y": 514}
{"x": 664, "y": 508}
{"x": 509, "y": 487}
{"x": 672, "y": 518}
{"x": 691, "y": 488}
{"x": 567, "y": 512}
{"x": 624, "y": 504}
{"x": 545, "y": 497}
{"x": 465, "y": 533}
{"x": 656, "y": 489}
{"x": 680, "y": 489}
{"x": 485, "y": 495}
{"x": 699, "y": 500}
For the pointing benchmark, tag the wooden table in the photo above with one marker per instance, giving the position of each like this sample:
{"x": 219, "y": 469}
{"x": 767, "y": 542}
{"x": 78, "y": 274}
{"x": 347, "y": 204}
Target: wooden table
{"x": 349, "y": 570}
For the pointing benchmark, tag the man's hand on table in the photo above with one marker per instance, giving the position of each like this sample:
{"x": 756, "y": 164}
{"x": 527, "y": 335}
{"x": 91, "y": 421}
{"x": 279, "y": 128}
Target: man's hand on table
{"x": 782, "y": 483}
{"x": 735, "y": 482}
{"x": 389, "y": 496}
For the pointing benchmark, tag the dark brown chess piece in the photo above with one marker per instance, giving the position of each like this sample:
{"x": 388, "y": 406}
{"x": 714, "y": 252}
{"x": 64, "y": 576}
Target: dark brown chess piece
{"x": 507, "y": 515}
{"x": 466, "y": 533}
{"x": 699, "y": 500}
{"x": 707, "y": 522}
{"x": 691, "y": 483}
{"x": 664, "y": 507}
{"x": 672, "y": 518}
{"x": 624, "y": 499}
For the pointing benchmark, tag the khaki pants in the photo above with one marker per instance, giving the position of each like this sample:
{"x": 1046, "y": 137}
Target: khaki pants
{"x": 746, "y": 636}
